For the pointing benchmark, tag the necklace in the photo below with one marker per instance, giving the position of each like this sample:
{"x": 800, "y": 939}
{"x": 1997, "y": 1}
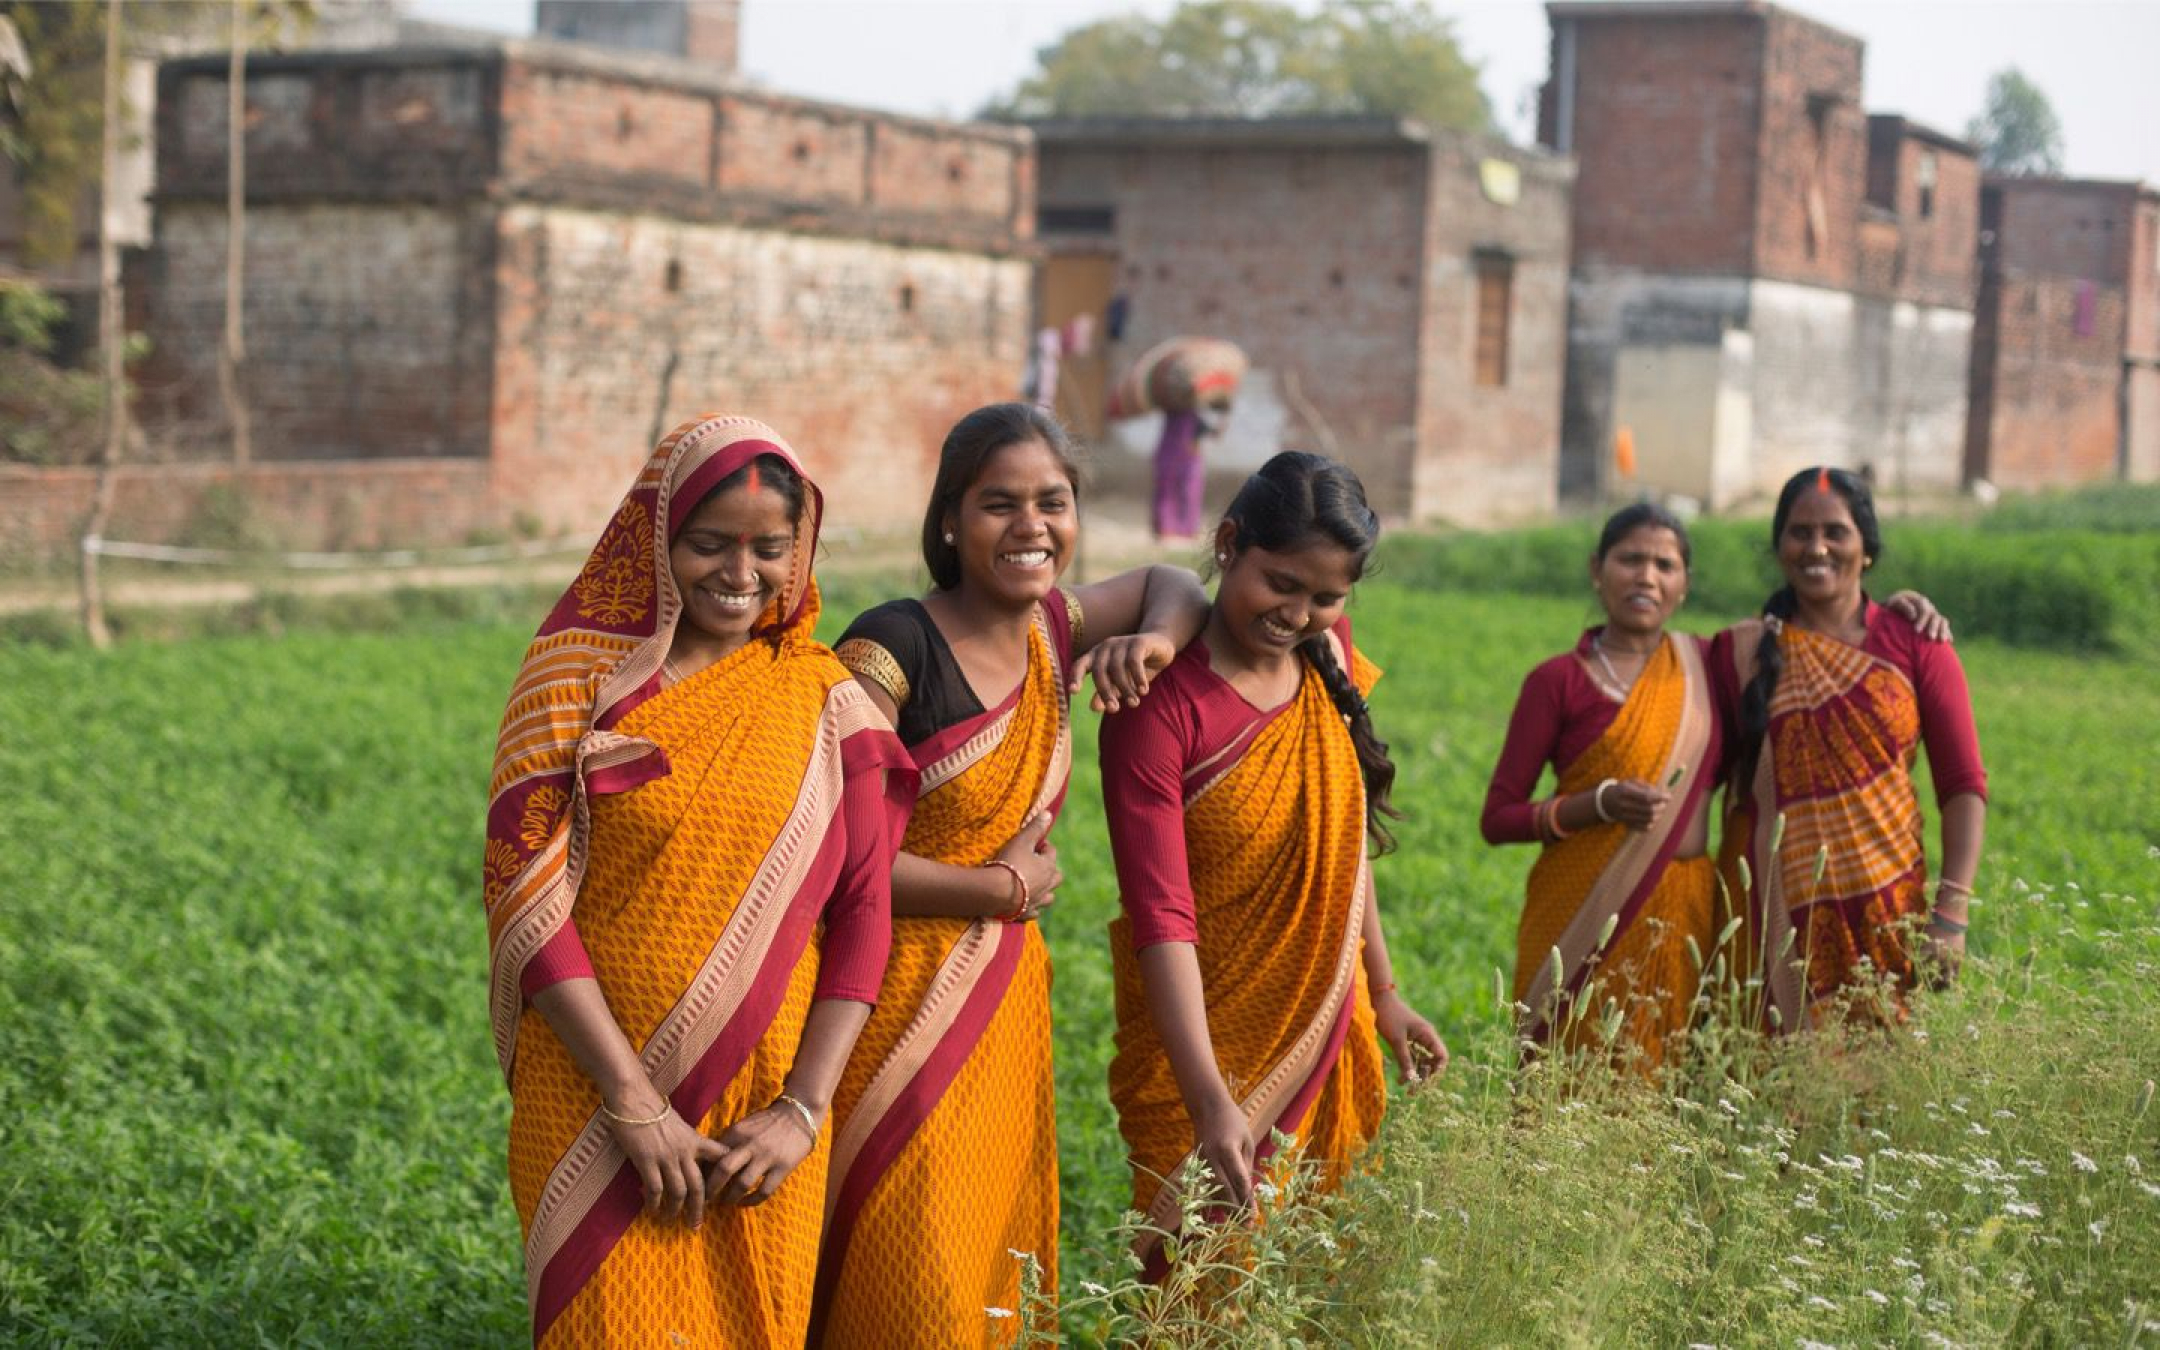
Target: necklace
{"x": 673, "y": 672}
{"x": 1617, "y": 687}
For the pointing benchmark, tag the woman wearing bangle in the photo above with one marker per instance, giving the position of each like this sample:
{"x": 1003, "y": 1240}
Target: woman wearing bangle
{"x": 687, "y": 878}
{"x": 1831, "y": 696}
{"x": 1622, "y": 888}
{"x": 945, "y": 1159}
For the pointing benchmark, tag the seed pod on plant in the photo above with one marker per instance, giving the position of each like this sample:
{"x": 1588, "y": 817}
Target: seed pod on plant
{"x": 2144, "y": 1101}
{"x": 1822, "y": 864}
{"x": 1612, "y": 925}
{"x": 1747, "y": 873}
{"x": 1777, "y": 833}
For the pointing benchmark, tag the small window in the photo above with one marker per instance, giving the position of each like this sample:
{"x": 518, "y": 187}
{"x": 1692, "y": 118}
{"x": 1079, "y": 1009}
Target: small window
{"x": 1075, "y": 220}
{"x": 1924, "y": 179}
{"x": 1495, "y": 298}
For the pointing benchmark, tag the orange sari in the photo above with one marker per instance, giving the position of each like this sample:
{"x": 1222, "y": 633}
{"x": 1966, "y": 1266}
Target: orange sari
{"x": 1830, "y": 826}
{"x": 606, "y": 853}
{"x": 1275, "y": 843}
{"x": 945, "y": 1144}
{"x": 1612, "y": 903}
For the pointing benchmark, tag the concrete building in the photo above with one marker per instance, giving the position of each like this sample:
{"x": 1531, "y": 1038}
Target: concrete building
{"x": 1764, "y": 276}
{"x": 1401, "y": 291}
{"x": 481, "y": 281}
{"x": 2066, "y": 353}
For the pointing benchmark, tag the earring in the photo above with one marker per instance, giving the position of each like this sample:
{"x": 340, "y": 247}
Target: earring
{"x": 1222, "y": 560}
{"x": 948, "y": 536}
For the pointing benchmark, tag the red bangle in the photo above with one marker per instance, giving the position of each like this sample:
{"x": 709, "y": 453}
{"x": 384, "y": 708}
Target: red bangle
{"x": 1552, "y": 819}
{"x": 1013, "y": 915}
{"x": 1378, "y": 990}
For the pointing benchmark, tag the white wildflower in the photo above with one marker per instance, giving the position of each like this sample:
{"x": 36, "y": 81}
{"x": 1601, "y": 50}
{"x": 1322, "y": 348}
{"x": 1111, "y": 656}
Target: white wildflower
{"x": 2132, "y": 1165}
{"x": 2082, "y": 1163}
{"x": 1818, "y": 1301}
{"x": 1813, "y": 1241}
{"x": 999, "y": 1312}
{"x": 2150, "y": 1189}
{"x": 2019, "y": 1209}
{"x": 1877, "y": 1296}
{"x": 2098, "y": 1229}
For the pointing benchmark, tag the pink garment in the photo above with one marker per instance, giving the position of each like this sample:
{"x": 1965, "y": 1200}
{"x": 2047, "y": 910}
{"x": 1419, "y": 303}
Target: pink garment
{"x": 1180, "y": 477}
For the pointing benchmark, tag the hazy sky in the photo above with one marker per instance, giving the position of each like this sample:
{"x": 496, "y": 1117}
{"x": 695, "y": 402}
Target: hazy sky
{"x": 2097, "y": 60}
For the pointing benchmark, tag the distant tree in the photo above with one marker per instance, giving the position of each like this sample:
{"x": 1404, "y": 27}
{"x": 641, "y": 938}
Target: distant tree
{"x": 2017, "y": 131}
{"x": 1259, "y": 58}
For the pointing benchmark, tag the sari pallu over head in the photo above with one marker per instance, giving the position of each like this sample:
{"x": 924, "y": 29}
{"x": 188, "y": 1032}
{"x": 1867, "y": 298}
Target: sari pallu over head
{"x": 1829, "y": 824}
{"x": 750, "y": 881}
{"x": 1275, "y": 838}
{"x": 1603, "y": 878}
{"x": 916, "y": 1184}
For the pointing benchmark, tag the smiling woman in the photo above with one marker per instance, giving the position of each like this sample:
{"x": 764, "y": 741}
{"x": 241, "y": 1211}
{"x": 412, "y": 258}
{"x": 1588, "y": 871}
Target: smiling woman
{"x": 946, "y": 1160}
{"x": 1622, "y": 888}
{"x": 1252, "y": 972}
{"x": 1831, "y": 695}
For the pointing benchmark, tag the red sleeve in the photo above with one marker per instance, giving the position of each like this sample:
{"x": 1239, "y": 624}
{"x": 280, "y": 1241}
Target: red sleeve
{"x": 1533, "y": 736}
{"x": 561, "y": 958}
{"x": 1143, "y": 752}
{"x": 858, "y": 916}
{"x": 1946, "y": 718}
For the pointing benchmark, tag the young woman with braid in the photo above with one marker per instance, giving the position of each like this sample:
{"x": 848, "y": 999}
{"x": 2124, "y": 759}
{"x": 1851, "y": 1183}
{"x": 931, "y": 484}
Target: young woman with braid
{"x": 690, "y": 843}
{"x": 945, "y": 1158}
{"x": 1252, "y": 972}
{"x": 1830, "y": 696}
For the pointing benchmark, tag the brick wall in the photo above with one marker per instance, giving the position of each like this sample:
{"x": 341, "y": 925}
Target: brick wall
{"x": 1491, "y": 453}
{"x": 1309, "y": 257}
{"x": 612, "y": 328}
{"x": 368, "y": 329}
{"x": 391, "y": 503}
{"x": 1663, "y": 129}
{"x": 1811, "y": 161}
{"x": 2056, "y": 415}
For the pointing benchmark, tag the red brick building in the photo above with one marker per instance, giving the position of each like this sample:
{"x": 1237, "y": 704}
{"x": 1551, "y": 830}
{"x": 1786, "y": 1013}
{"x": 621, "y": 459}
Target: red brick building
{"x": 1764, "y": 276}
{"x": 481, "y": 280}
{"x": 2066, "y": 355}
{"x": 1402, "y": 292}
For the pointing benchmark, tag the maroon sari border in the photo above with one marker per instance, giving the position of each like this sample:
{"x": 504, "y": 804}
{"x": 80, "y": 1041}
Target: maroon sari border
{"x": 602, "y": 1226}
{"x": 909, "y": 1110}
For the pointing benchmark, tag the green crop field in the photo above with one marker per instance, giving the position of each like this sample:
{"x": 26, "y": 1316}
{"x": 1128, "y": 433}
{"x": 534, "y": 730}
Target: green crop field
{"x": 249, "y": 1096}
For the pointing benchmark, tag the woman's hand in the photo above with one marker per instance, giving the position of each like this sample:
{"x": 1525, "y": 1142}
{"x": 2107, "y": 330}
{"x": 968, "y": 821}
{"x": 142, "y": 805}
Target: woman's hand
{"x": 1921, "y": 613}
{"x": 1420, "y": 1054}
{"x": 1123, "y": 669}
{"x": 756, "y": 1154}
{"x": 1634, "y": 803}
{"x": 1943, "y": 956}
{"x": 1224, "y": 1142}
{"x": 1032, "y": 853}
{"x": 668, "y": 1155}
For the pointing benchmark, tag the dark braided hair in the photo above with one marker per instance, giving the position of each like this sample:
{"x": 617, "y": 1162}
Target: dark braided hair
{"x": 968, "y": 447}
{"x": 1298, "y": 499}
{"x": 1783, "y": 604}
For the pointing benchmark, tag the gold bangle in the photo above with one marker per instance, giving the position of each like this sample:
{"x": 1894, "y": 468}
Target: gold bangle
{"x": 667, "y": 1109}
{"x": 809, "y": 1117}
{"x": 1954, "y": 887}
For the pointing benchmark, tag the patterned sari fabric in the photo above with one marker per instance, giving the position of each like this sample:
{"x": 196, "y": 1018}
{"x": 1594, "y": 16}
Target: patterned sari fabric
{"x": 601, "y": 839}
{"x": 1275, "y": 840}
{"x": 945, "y": 1144}
{"x": 1831, "y": 830}
{"x": 1644, "y": 971}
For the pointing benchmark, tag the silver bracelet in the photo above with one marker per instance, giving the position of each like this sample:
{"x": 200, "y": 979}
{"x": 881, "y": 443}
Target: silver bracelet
{"x": 809, "y": 1117}
{"x": 1597, "y": 800}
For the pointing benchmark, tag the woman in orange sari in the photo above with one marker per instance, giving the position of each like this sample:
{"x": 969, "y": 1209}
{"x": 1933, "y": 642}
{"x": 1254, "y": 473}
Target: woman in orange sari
{"x": 945, "y": 1152}
{"x": 1832, "y": 695}
{"x": 1252, "y": 972}
{"x": 1618, "y": 919}
{"x": 690, "y": 841}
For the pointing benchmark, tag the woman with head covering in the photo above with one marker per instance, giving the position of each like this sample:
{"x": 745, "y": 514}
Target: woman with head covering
{"x": 690, "y": 834}
{"x": 1253, "y": 979}
{"x": 945, "y": 1164}
{"x": 1831, "y": 696}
